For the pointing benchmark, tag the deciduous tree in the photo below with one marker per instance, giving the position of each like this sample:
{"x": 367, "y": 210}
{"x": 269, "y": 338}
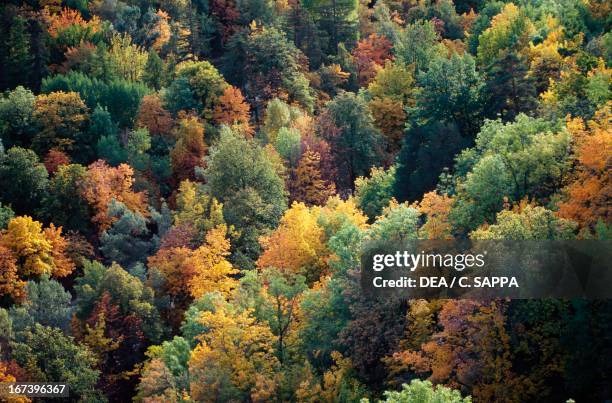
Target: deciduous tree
{"x": 103, "y": 184}
{"x": 232, "y": 108}
{"x": 60, "y": 117}
{"x": 23, "y": 180}
{"x": 297, "y": 245}
{"x": 308, "y": 185}
{"x": 588, "y": 194}
{"x": 154, "y": 117}
{"x": 234, "y": 358}
{"x": 370, "y": 55}
{"x": 189, "y": 150}
{"x": 242, "y": 177}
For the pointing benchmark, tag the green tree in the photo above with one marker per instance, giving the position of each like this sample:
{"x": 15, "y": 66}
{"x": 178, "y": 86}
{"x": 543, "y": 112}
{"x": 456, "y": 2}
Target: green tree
{"x": 205, "y": 84}
{"x": 23, "y": 180}
{"x": 154, "y": 71}
{"x": 526, "y": 157}
{"x": 356, "y": 143}
{"x": 425, "y": 392}
{"x": 120, "y": 97}
{"x": 110, "y": 149}
{"x": 528, "y": 223}
{"x": 50, "y": 356}
{"x": 47, "y": 303}
{"x": 277, "y": 115}
{"x": 195, "y": 207}
{"x": 501, "y": 53}
{"x": 417, "y": 44}
{"x": 137, "y": 148}
{"x": 6, "y": 215}
{"x": 374, "y": 193}
{"x": 398, "y": 222}
{"x": 179, "y": 96}
{"x": 426, "y": 151}
{"x": 63, "y": 203}
{"x": 125, "y": 291}
{"x": 101, "y": 126}
{"x": 274, "y": 66}
{"x": 128, "y": 241}
{"x": 19, "y": 62}
{"x": 242, "y": 177}
{"x": 336, "y": 19}
{"x": 288, "y": 144}
{"x": 451, "y": 90}
{"x": 16, "y": 125}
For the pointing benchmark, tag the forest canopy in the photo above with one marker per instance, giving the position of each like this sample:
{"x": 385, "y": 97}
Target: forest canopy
{"x": 186, "y": 186}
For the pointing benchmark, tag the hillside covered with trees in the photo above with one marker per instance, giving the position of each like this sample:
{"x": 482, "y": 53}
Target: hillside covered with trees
{"x": 186, "y": 185}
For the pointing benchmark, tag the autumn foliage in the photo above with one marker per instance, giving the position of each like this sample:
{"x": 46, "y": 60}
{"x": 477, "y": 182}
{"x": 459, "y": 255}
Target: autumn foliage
{"x": 103, "y": 183}
{"x": 188, "y": 189}
{"x": 189, "y": 149}
{"x": 370, "y": 54}
{"x": 590, "y": 192}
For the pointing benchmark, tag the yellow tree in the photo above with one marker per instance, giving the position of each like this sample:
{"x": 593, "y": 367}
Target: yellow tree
{"x": 61, "y": 116}
{"x": 127, "y": 60}
{"x": 436, "y": 208}
{"x": 545, "y": 60}
{"x": 234, "y": 360}
{"x": 26, "y": 250}
{"x": 10, "y": 283}
{"x": 24, "y": 237}
{"x": 337, "y": 212}
{"x": 297, "y": 245}
{"x": 211, "y": 270}
{"x": 196, "y": 208}
{"x": 392, "y": 90}
{"x": 189, "y": 274}
{"x": 63, "y": 265}
{"x": 510, "y": 29}
{"x": 5, "y": 378}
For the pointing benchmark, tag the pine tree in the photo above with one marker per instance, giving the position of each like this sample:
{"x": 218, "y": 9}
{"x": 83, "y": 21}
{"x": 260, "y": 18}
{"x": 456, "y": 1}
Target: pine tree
{"x": 337, "y": 19}
{"x": 154, "y": 70}
{"x": 19, "y": 61}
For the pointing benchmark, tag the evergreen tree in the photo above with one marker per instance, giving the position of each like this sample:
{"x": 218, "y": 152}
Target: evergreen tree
{"x": 19, "y": 61}
{"x": 154, "y": 71}
{"x": 128, "y": 241}
{"x": 337, "y": 21}
{"x": 425, "y": 152}
{"x": 63, "y": 203}
{"x": 47, "y": 303}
